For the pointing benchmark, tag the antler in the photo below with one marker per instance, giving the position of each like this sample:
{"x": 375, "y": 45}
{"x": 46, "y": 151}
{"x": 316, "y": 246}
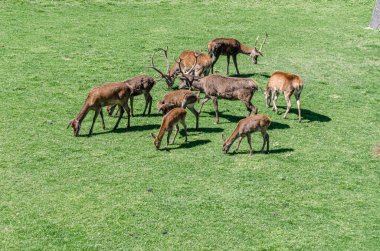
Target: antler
{"x": 257, "y": 39}
{"x": 265, "y": 39}
{"x": 154, "y": 67}
{"x": 165, "y": 51}
{"x": 192, "y": 67}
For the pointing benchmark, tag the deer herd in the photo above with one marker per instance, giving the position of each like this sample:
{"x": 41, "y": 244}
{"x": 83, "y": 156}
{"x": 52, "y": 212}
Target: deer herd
{"x": 193, "y": 69}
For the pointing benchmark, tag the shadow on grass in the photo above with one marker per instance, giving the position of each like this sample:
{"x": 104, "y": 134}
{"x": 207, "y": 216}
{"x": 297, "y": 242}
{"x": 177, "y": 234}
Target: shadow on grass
{"x": 277, "y": 125}
{"x": 188, "y": 144}
{"x": 249, "y": 75}
{"x": 204, "y": 130}
{"x": 124, "y": 130}
{"x": 307, "y": 114}
{"x": 229, "y": 117}
{"x": 275, "y": 151}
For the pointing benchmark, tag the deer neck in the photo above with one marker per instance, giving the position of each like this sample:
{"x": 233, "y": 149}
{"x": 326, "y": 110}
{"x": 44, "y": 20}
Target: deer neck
{"x": 161, "y": 132}
{"x": 197, "y": 84}
{"x": 245, "y": 49}
{"x": 82, "y": 114}
{"x": 234, "y": 136}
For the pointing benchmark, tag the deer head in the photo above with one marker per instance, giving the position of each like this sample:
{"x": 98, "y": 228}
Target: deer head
{"x": 226, "y": 145}
{"x": 75, "y": 125}
{"x": 258, "y": 52}
{"x": 157, "y": 142}
{"x": 187, "y": 78}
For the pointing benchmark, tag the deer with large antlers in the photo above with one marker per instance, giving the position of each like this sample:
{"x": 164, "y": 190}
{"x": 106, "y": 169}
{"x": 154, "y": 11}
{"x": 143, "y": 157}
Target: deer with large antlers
{"x": 232, "y": 47}
{"x": 198, "y": 62}
{"x": 288, "y": 84}
{"x": 108, "y": 94}
{"x": 169, "y": 121}
{"x": 179, "y": 98}
{"x": 142, "y": 84}
{"x": 219, "y": 87}
{"x": 244, "y": 128}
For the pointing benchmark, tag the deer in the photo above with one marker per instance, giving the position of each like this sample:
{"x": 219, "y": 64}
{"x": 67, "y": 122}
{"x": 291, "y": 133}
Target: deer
{"x": 141, "y": 84}
{"x": 232, "y": 47}
{"x": 245, "y": 127}
{"x": 202, "y": 66}
{"x": 171, "y": 119}
{"x": 108, "y": 94}
{"x": 219, "y": 87}
{"x": 287, "y": 83}
{"x": 179, "y": 98}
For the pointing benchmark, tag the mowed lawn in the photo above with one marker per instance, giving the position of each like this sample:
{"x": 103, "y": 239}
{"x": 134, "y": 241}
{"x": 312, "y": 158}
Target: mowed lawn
{"x": 317, "y": 189}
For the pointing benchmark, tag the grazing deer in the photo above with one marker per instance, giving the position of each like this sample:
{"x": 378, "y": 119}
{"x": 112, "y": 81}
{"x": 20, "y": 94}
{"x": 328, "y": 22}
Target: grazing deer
{"x": 217, "y": 86}
{"x": 288, "y": 84}
{"x": 171, "y": 119}
{"x": 202, "y": 65}
{"x": 232, "y": 47}
{"x": 142, "y": 84}
{"x": 247, "y": 126}
{"x": 108, "y": 94}
{"x": 179, "y": 98}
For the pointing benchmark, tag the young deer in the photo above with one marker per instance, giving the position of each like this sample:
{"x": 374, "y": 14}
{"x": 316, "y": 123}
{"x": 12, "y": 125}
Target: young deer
{"x": 171, "y": 119}
{"x": 108, "y": 94}
{"x": 232, "y": 47}
{"x": 288, "y": 84}
{"x": 179, "y": 98}
{"x": 188, "y": 58}
{"x": 217, "y": 86}
{"x": 142, "y": 84}
{"x": 247, "y": 126}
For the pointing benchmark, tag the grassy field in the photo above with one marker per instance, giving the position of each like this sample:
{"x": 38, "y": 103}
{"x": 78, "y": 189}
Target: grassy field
{"x": 318, "y": 189}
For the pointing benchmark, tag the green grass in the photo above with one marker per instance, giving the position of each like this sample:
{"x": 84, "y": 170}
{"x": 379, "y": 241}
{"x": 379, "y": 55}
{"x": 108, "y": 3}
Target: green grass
{"x": 319, "y": 188}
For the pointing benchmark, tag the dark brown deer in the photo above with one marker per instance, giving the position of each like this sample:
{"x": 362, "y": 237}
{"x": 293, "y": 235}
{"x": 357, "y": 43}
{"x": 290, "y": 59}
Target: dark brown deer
{"x": 232, "y": 47}
{"x": 108, "y": 94}
{"x": 171, "y": 119}
{"x": 219, "y": 87}
{"x": 142, "y": 84}
{"x": 179, "y": 98}
{"x": 287, "y": 83}
{"x": 188, "y": 58}
{"x": 247, "y": 126}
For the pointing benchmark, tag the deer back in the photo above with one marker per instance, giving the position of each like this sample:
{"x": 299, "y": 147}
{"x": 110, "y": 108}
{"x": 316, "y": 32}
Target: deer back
{"x": 283, "y": 81}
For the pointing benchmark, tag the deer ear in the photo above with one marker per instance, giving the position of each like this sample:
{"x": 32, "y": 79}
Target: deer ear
{"x": 153, "y": 136}
{"x": 223, "y": 138}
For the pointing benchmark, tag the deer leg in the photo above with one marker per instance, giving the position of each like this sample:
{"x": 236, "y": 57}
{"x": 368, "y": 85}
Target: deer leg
{"x": 250, "y": 108}
{"x": 121, "y": 111}
{"x": 94, "y": 119}
{"x": 183, "y": 123}
{"x": 102, "y": 117}
{"x": 238, "y": 146}
{"x": 214, "y": 59}
{"x": 131, "y": 100}
{"x": 168, "y": 137}
{"x": 110, "y": 109}
{"x": 288, "y": 104}
{"x": 267, "y": 138}
{"x": 298, "y": 106}
{"x": 275, "y": 97}
{"x": 150, "y": 103}
{"x": 249, "y": 143}
{"x": 192, "y": 109}
{"x": 228, "y": 63}
{"x": 264, "y": 134}
{"x": 215, "y": 101}
{"x": 176, "y": 132}
{"x": 126, "y": 107}
{"x": 204, "y": 100}
{"x": 234, "y": 58}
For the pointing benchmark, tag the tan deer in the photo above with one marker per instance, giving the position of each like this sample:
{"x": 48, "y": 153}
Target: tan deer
{"x": 171, "y": 119}
{"x": 198, "y": 62}
{"x": 179, "y": 98}
{"x": 232, "y": 47}
{"x": 108, "y": 94}
{"x": 287, "y": 83}
{"x": 142, "y": 84}
{"x": 244, "y": 128}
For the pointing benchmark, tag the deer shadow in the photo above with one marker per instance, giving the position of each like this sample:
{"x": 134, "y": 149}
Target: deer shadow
{"x": 205, "y": 130}
{"x": 189, "y": 144}
{"x": 274, "y": 151}
{"x": 308, "y": 115}
{"x": 124, "y": 130}
{"x": 250, "y": 75}
{"x": 229, "y": 117}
